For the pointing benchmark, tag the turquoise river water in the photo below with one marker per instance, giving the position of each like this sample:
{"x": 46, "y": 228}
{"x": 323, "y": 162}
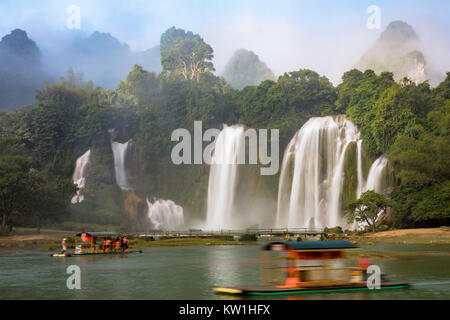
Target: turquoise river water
{"x": 190, "y": 272}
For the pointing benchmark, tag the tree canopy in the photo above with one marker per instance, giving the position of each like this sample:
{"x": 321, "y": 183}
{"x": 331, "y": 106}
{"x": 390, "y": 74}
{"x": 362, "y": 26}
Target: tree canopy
{"x": 185, "y": 53}
{"x": 367, "y": 209}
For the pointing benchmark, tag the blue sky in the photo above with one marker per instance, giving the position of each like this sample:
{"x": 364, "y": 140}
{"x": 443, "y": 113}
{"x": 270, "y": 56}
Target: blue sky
{"x": 327, "y": 36}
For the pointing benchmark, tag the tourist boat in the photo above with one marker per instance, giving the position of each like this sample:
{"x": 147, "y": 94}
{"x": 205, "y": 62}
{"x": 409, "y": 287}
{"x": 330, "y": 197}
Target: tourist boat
{"x": 92, "y": 243}
{"x": 317, "y": 274}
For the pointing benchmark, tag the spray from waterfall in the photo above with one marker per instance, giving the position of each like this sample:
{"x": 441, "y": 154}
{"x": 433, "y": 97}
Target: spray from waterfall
{"x": 165, "y": 215}
{"x": 223, "y": 178}
{"x": 79, "y": 176}
{"x": 119, "y": 152}
{"x": 312, "y": 173}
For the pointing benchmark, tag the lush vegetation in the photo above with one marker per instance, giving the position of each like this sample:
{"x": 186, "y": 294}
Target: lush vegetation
{"x": 409, "y": 123}
{"x": 368, "y": 208}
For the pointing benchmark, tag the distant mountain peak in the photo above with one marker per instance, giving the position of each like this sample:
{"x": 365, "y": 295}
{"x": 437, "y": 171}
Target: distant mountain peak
{"x": 398, "y": 50}
{"x": 246, "y": 69}
{"x": 99, "y": 41}
{"x": 398, "y": 31}
{"x": 18, "y": 44}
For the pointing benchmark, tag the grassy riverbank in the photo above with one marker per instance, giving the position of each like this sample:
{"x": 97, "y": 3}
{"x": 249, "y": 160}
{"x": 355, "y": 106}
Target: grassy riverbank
{"x": 50, "y": 239}
{"x": 406, "y": 236}
{"x": 28, "y": 238}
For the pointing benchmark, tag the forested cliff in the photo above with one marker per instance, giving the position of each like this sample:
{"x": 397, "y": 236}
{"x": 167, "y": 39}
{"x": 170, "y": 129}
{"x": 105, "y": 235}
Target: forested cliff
{"x": 40, "y": 143}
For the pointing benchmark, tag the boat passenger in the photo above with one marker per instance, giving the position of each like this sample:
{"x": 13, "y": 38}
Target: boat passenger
{"x": 108, "y": 244}
{"x": 364, "y": 264}
{"x": 291, "y": 269}
{"x": 64, "y": 245}
{"x": 125, "y": 244}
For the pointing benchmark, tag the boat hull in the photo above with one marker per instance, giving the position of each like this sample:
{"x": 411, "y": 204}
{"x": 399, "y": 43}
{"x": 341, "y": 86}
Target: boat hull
{"x": 272, "y": 290}
{"x": 93, "y": 254}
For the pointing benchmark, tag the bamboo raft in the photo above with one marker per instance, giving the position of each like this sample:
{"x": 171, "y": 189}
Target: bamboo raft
{"x": 311, "y": 278}
{"x": 93, "y": 253}
{"x": 91, "y": 247}
{"x": 271, "y": 290}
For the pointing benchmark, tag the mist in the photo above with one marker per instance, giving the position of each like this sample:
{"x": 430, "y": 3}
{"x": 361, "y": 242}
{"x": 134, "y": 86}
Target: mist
{"x": 287, "y": 35}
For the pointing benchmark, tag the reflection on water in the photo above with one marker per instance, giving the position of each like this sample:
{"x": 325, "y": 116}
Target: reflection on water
{"x": 190, "y": 272}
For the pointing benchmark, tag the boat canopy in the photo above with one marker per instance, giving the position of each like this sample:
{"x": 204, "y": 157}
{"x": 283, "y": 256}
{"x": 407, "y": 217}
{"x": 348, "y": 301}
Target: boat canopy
{"x": 99, "y": 234}
{"x": 311, "y": 245}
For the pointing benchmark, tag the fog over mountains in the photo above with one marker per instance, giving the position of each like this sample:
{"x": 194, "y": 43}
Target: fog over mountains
{"x": 99, "y": 57}
{"x": 21, "y": 70}
{"x": 105, "y": 60}
{"x": 245, "y": 69}
{"x": 399, "y": 50}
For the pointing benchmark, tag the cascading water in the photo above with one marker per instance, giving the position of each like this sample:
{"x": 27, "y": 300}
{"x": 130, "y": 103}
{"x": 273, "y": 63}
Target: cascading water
{"x": 79, "y": 176}
{"x": 119, "y": 152}
{"x": 375, "y": 176}
{"x": 315, "y": 156}
{"x": 359, "y": 173}
{"x": 222, "y": 178}
{"x": 165, "y": 215}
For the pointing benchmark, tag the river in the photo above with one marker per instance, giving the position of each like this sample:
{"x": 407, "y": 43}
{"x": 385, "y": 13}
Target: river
{"x": 189, "y": 273}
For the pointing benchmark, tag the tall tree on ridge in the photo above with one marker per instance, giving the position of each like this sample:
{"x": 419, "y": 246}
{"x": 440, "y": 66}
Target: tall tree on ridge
{"x": 186, "y": 54}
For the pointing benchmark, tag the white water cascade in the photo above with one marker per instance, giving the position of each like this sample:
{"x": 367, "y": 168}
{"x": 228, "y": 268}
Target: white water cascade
{"x": 223, "y": 178}
{"x": 312, "y": 173}
{"x": 119, "y": 152}
{"x": 375, "y": 176}
{"x": 79, "y": 176}
{"x": 165, "y": 215}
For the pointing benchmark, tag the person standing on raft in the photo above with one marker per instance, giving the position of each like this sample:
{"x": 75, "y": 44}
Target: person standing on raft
{"x": 124, "y": 244}
{"x": 64, "y": 245}
{"x": 364, "y": 264}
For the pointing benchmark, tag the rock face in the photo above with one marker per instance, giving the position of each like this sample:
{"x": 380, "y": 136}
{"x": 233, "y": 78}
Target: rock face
{"x": 245, "y": 69}
{"x": 398, "y": 50}
{"x": 20, "y": 70}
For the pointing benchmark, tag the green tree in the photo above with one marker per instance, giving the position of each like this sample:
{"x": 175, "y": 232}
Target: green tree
{"x": 13, "y": 185}
{"x": 46, "y": 200}
{"x": 185, "y": 53}
{"x": 368, "y": 208}
{"x": 139, "y": 88}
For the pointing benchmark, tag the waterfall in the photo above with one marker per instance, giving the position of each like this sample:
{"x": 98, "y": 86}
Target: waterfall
{"x": 375, "y": 176}
{"x": 223, "y": 177}
{"x": 79, "y": 176}
{"x": 360, "y": 175}
{"x": 312, "y": 173}
{"x": 119, "y": 152}
{"x": 165, "y": 215}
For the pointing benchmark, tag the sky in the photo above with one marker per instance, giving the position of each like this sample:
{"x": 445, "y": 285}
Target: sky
{"x": 326, "y": 36}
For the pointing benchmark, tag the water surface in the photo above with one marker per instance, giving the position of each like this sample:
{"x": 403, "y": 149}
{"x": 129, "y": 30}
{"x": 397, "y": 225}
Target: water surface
{"x": 190, "y": 272}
